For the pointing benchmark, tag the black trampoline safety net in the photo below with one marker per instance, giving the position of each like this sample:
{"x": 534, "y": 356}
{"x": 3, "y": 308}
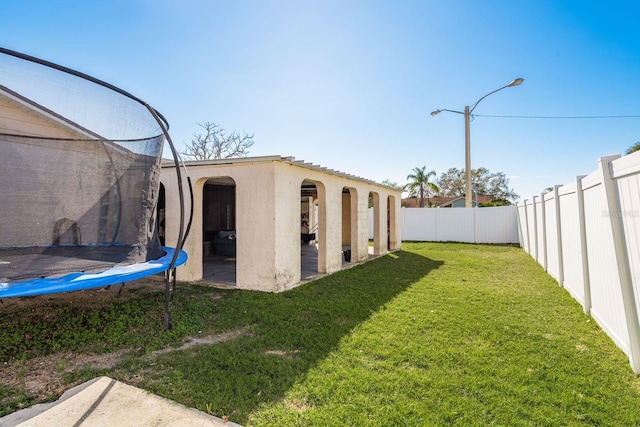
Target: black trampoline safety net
{"x": 79, "y": 173}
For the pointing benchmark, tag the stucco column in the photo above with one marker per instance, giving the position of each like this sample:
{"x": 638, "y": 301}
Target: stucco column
{"x": 395, "y": 222}
{"x": 192, "y": 269}
{"x": 379, "y": 225}
{"x": 333, "y": 228}
{"x": 360, "y": 244}
{"x": 255, "y": 228}
{"x": 287, "y": 227}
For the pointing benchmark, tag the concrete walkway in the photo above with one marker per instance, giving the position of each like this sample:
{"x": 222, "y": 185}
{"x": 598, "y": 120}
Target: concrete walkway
{"x": 106, "y": 402}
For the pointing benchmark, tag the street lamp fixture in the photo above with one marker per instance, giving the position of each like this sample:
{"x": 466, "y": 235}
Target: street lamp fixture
{"x": 467, "y": 137}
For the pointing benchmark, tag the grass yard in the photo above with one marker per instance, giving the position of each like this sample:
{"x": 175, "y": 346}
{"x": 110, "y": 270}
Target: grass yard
{"x": 436, "y": 334}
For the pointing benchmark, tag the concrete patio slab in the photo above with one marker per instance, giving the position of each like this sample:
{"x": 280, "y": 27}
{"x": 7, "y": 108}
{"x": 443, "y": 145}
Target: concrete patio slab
{"x": 106, "y": 402}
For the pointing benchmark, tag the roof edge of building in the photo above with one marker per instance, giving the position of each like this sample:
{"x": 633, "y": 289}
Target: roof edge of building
{"x": 168, "y": 163}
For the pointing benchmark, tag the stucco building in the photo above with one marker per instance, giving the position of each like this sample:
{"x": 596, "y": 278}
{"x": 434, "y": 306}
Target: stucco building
{"x": 264, "y": 209}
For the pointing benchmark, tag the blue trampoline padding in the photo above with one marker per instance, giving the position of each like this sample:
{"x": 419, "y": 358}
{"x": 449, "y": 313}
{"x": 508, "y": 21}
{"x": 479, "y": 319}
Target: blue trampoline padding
{"x": 78, "y": 281}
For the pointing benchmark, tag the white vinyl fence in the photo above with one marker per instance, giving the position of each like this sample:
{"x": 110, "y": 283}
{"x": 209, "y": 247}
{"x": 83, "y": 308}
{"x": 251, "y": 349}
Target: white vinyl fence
{"x": 586, "y": 235}
{"x": 474, "y": 225}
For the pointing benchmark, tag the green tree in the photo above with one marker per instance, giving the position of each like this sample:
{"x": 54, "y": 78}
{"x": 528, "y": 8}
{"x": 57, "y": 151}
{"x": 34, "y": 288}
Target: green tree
{"x": 635, "y": 147}
{"x": 420, "y": 184}
{"x": 495, "y": 201}
{"x": 496, "y": 185}
{"x": 392, "y": 184}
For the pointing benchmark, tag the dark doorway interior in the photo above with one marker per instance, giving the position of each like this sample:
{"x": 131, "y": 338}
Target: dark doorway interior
{"x": 219, "y": 231}
{"x": 218, "y": 210}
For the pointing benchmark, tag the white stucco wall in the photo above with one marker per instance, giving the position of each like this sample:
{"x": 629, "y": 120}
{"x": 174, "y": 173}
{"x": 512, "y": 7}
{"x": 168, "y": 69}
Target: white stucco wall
{"x": 268, "y": 196}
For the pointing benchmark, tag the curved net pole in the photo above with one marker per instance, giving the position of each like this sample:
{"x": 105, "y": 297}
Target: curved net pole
{"x": 170, "y": 275}
{"x": 188, "y": 229}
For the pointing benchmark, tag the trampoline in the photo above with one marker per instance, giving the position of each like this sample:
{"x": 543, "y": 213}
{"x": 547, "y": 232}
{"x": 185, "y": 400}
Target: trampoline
{"x": 79, "y": 183}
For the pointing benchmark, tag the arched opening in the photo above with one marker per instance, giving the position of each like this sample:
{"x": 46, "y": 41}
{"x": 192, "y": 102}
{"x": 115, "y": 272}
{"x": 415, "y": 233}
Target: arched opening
{"x": 219, "y": 230}
{"x": 308, "y": 229}
{"x": 392, "y": 244}
{"x": 349, "y": 225}
{"x": 374, "y": 205}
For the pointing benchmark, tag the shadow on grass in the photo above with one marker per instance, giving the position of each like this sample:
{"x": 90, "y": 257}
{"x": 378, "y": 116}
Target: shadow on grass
{"x": 290, "y": 333}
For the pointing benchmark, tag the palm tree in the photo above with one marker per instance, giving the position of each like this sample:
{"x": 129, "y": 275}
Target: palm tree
{"x": 419, "y": 184}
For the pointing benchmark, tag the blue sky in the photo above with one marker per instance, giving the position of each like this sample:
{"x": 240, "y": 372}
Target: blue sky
{"x": 349, "y": 84}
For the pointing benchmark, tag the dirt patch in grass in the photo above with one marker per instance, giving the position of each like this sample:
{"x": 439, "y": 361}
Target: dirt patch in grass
{"x": 282, "y": 353}
{"x": 42, "y": 376}
{"x": 208, "y": 340}
{"x": 297, "y": 405}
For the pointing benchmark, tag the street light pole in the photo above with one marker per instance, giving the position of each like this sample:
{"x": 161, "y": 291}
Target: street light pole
{"x": 467, "y": 138}
{"x": 467, "y": 158}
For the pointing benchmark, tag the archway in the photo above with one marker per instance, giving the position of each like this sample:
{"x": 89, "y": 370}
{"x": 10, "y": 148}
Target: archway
{"x": 349, "y": 224}
{"x": 374, "y": 204}
{"x": 219, "y": 230}
{"x": 309, "y": 229}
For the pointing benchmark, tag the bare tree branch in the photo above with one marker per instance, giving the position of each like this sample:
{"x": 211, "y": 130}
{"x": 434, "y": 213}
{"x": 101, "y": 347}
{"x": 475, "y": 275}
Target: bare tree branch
{"x": 214, "y": 143}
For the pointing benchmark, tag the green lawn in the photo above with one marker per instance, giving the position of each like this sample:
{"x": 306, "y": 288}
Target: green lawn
{"x": 436, "y": 334}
